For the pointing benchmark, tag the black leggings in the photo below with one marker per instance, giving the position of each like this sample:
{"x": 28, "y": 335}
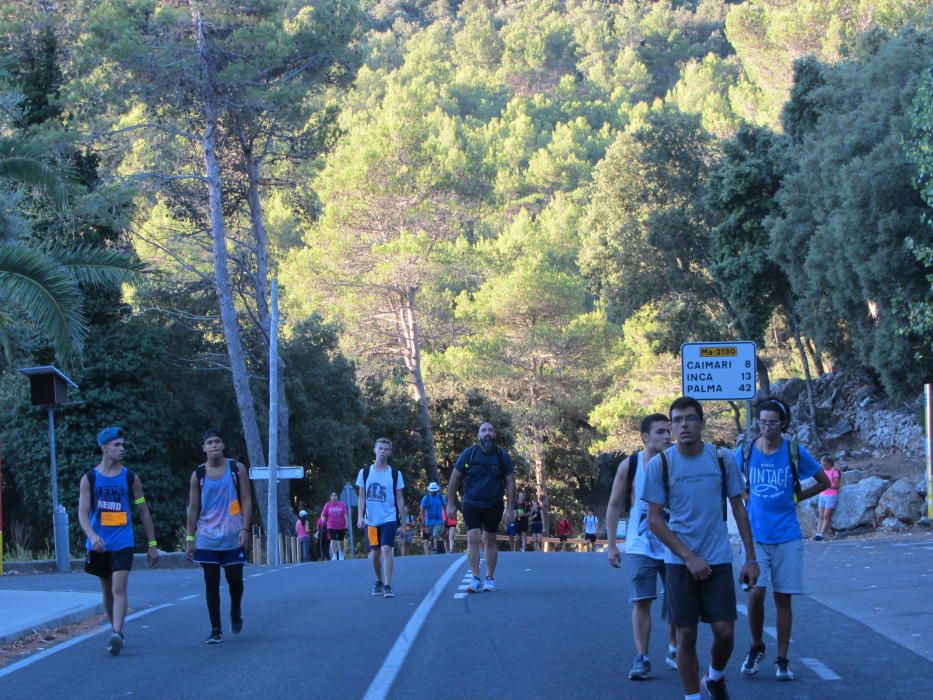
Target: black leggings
{"x": 234, "y": 576}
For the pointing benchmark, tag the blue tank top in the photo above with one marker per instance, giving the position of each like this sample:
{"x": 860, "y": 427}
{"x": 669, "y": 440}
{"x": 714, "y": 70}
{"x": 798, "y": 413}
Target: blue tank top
{"x": 110, "y": 505}
{"x": 220, "y": 521}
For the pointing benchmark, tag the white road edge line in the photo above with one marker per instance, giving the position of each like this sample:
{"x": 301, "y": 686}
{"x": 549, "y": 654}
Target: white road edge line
{"x": 821, "y": 669}
{"x": 385, "y": 676}
{"x": 189, "y": 597}
{"x": 71, "y": 642}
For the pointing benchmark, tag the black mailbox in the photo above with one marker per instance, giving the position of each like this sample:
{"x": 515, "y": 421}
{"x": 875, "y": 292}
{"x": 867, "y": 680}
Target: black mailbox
{"x": 48, "y": 385}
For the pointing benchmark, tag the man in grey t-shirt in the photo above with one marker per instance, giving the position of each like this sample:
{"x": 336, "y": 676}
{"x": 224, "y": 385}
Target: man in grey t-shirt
{"x": 695, "y": 480}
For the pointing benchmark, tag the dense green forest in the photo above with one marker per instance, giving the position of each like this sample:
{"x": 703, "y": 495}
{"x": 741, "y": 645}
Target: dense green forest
{"x": 511, "y": 210}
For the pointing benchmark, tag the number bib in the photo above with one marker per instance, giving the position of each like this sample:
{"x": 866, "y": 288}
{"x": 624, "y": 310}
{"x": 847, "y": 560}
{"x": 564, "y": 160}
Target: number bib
{"x": 113, "y": 518}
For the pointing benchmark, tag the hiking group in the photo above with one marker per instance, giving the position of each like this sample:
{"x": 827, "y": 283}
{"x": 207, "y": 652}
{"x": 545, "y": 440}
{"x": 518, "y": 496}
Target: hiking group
{"x": 676, "y": 497}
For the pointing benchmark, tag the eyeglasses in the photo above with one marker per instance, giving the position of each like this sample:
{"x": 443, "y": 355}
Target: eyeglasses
{"x": 768, "y": 423}
{"x": 692, "y": 418}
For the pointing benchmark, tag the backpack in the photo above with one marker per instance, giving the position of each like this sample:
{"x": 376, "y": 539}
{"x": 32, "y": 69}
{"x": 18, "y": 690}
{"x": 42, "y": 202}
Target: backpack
{"x": 793, "y": 455}
{"x": 666, "y": 478}
{"x": 630, "y": 479}
{"x": 91, "y": 475}
{"x": 398, "y": 519}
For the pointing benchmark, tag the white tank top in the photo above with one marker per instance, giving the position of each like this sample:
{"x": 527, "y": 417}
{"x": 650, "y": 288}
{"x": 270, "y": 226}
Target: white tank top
{"x": 638, "y": 538}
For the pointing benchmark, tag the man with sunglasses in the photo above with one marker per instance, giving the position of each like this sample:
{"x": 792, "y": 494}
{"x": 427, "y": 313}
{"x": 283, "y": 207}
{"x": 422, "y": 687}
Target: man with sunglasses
{"x": 773, "y": 469}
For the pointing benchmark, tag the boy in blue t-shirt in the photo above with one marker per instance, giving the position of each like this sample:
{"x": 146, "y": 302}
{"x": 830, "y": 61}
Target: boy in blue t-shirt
{"x": 433, "y": 504}
{"x": 773, "y": 494}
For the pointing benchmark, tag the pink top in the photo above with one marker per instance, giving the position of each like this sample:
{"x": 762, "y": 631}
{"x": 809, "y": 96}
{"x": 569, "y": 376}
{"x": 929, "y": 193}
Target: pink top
{"x": 300, "y": 529}
{"x": 834, "y": 477}
{"x": 336, "y": 515}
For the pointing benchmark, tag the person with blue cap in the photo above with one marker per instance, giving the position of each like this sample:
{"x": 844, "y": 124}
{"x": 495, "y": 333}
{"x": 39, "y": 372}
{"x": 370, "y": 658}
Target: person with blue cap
{"x": 106, "y": 493}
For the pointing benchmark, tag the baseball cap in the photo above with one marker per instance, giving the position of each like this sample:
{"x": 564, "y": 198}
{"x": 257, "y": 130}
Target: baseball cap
{"x": 109, "y": 435}
{"x": 302, "y": 513}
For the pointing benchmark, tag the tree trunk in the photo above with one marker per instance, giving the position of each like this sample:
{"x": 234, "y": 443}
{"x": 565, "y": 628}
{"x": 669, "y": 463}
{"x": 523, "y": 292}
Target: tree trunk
{"x": 406, "y": 319}
{"x": 737, "y": 417}
{"x": 537, "y": 446}
{"x": 811, "y": 403}
{"x": 817, "y": 360}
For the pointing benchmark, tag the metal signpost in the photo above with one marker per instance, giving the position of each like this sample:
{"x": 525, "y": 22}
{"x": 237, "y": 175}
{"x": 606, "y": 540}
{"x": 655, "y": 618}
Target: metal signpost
{"x": 350, "y": 499}
{"x": 928, "y": 412}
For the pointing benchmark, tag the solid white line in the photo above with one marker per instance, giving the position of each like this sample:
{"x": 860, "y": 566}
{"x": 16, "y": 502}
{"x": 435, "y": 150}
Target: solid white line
{"x": 189, "y": 597}
{"x": 821, "y": 669}
{"x": 771, "y": 632}
{"x": 71, "y": 642}
{"x": 382, "y": 683}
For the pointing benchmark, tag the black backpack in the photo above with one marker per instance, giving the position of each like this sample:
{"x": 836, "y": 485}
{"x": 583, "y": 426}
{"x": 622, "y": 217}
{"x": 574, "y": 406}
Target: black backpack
{"x": 630, "y": 479}
{"x": 91, "y": 475}
{"x": 666, "y": 478}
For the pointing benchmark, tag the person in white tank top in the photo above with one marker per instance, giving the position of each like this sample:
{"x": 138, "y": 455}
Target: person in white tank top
{"x": 644, "y": 552}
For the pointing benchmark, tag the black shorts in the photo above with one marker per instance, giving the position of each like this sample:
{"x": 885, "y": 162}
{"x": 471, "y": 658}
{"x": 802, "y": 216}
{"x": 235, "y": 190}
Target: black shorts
{"x": 521, "y": 525}
{"x": 337, "y": 534}
{"x": 103, "y": 564}
{"x": 563, "y": 538}
{"x": 590, "y": 537}
{"x": 537, "y": 528}
{"x": 689, "y": 601}
{"x": 486, "y": 518}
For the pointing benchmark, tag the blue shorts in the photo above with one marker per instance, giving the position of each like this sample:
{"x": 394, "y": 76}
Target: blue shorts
{"x": 381, "y": 535}
{"x": 510, "y": 529}
{"x": 828, "y": 501}
{"x": 222, "y": 557}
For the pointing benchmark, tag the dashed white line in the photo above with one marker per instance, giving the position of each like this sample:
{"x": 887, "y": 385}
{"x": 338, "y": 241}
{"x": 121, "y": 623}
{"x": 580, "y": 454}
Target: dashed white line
{"x": 382, "y": 683}
{"x": 821, "y": 669}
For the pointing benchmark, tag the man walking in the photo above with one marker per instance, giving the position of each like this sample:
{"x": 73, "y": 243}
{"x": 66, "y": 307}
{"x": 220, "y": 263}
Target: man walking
{"x": 432, "y": 506}
{"x": 487, "y": 473}
{"x": 335, "y": 517}
{"x": 105, "y": 495}
{"x": 220, "y": 505}
{"x": 644, "y": 552}
{"x": 382, "y": 508}
{"x": 695, "y": 480}
{"x": 590, "y": 525}
{"x": 522, "y": 510}
{"x": 773, "y": 468}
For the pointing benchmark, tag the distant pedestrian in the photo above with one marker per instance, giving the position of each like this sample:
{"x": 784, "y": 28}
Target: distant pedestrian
{"x": 564, "y": 531}
{"x": 105, "y": 495}
{"x": 536, "y": 521}
{"x": 450, "y": 525}
{"x": 644, "y": 552}
{"x": 407, "y": 535}
{"x": 487, "y": 474}
{"x": 220, "y": 504}
{"x": 829, "y": 498}
{"x": 773, "y": 468}
{"x": 382, "y": 508}
{"x": 695, "y": 481}
{"x": 322, "y": 543}
{"x": 303, "y": 534}
{"x": 433, "y": 504}
{"x": 335, "y": 517}
{"x": 590, "y": 528}
{"x": 522, "y": 510}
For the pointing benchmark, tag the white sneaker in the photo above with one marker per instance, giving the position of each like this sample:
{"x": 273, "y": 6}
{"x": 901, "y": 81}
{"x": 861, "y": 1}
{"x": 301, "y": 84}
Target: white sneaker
{"x": 489, "y": 585}
{"x": 475, "y": 585}
{"x": 333, "y": 557}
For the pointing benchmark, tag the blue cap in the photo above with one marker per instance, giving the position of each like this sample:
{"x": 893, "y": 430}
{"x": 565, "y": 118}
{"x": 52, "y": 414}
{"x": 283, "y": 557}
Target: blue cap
{"x": 109, "y": 435}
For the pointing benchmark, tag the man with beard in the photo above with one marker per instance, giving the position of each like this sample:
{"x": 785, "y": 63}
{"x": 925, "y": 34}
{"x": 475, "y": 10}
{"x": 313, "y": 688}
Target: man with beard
{"x": 487, "y": 474}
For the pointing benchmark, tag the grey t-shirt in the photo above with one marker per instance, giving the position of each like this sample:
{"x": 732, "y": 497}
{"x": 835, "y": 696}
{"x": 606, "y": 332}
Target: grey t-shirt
{"x": 695, "y": 501}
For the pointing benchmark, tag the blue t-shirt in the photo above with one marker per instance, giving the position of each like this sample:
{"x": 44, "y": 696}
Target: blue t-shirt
{"x": 771, "y": 507}
{"x": 433, "y": 507}
{"x": 483, "y": 477}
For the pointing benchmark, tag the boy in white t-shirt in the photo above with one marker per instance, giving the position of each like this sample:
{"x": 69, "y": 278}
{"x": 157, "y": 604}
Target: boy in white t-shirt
{"x": 382, "y": 507}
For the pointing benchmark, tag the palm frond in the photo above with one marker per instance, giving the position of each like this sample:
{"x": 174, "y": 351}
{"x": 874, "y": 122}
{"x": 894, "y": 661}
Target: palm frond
{"x": 22, "y": 163}
{"x": 100, "y": 267}
{"x": 47, "y": 291}
{"x": 6, "y": 341}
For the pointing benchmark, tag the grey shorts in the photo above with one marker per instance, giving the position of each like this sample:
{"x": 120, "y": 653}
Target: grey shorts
{"x": 781, "y": 566}
{"x": 435, "y": 530}
{"x": 643, "y": 573}
{"x": 689, "y": 601}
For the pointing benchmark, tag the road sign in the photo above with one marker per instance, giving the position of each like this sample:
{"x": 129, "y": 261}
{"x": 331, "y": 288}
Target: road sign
{"x": 349, "y": 496}
{"x": 281, "y": 472}
{"x": 719, "y": 371}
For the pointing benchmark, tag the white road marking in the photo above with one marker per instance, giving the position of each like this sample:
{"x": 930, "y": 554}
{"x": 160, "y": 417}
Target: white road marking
{"x": 771, "y": 632}
{"x": 189, "y": 597}
{"x": 821, "y": 669}
{"x": 385, "y": 676}
{"x": 72, "y": 642}
{"x": 458, "y": 596}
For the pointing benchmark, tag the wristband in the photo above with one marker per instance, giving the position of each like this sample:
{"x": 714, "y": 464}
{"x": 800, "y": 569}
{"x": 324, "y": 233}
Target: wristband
{"x": 139, "y": 501}
{"x": 189, "y": 538}
{"x": 153, "y": 543}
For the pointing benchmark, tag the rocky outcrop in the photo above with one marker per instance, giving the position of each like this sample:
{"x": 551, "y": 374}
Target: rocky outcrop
{"x": 857, "y": 503}
{"x": 901, "y": 502}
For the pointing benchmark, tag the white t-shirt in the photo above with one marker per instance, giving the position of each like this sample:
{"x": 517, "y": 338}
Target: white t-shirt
{"x": 589, "y": 524}
{"x": 380, "y": 501}
{"x": 638, "y": 538}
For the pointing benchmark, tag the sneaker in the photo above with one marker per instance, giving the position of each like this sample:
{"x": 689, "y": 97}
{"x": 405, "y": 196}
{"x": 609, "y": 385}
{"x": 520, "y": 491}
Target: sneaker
{"x": 475, "y": 585}
{"x": 671, "y": 659}
{"x": 214, "y": 637}
{"x": 236, "y": 623}
{"x": 333, "y": 557}
{"x": 115, "y": 644}
{"x": 387, "y": 591}
{"x": 716, "y": 690}
{"x": 641, "y": 668}
{"x": 378, "y": 588}
{"x": 817, "y": 537}
{"x": 755, "y": 656}
{"x": 490, "y": 584}
{"x": 782, "y": 669}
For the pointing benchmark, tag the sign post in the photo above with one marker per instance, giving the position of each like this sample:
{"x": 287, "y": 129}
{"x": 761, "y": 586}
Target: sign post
{"x": 719, "y": 371}
{"x": 928, "y": 412}
{"x": 350, "y": 499}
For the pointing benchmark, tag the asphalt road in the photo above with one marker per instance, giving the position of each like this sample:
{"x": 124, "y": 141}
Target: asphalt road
{"x": 557, "y": 628}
